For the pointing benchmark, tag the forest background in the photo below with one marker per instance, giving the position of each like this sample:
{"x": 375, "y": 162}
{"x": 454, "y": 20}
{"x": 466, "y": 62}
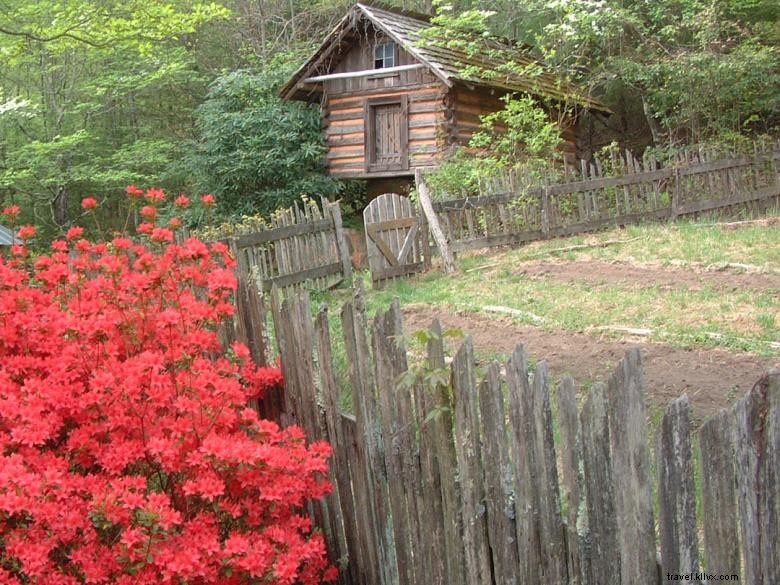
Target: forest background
{"x": 99, "y": 94}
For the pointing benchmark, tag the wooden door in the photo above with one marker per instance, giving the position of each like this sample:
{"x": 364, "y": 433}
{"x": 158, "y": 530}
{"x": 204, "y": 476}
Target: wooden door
{"x": 387, "y": 134}
{"x": 396, "y": 237}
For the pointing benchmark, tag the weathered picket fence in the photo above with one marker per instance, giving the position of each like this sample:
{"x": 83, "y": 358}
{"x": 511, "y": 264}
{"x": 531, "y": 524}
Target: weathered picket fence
{"x": 301, "y": 244}
{"x": 696, "y": 181}
{"x": 448, "y": 474}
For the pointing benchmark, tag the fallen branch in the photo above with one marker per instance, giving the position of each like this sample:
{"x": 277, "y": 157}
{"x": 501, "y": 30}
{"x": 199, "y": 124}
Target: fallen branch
{"x": 721, "y": 266}
{"x": 645, "y": 332}
{"x": 583, "y": 247}
{"x": 514, "y": 313}
{"x": 640, "y": 331}
{"x": 557, "y": 250}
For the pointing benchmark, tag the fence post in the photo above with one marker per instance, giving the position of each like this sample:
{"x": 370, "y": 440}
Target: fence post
{"x": 433, "y": 222}
{"x": 341, "y": 243}
{"x": 545, "y": 210}
{"x": 676, "y": 195}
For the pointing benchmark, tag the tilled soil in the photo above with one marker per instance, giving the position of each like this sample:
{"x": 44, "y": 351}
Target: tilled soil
{"x": 712, "y": 378}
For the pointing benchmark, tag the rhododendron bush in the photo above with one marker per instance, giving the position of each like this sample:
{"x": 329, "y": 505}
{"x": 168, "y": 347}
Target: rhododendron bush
{"x": 128, "y": 453}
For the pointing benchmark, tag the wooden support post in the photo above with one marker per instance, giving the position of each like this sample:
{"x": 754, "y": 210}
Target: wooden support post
{"x": 433, "y": 223}
{"x": 341, "y": 242}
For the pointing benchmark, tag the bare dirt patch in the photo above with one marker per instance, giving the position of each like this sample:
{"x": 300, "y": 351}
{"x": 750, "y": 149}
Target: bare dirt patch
{"x": 712, "y": 378}
{"x": 646, "y": 276}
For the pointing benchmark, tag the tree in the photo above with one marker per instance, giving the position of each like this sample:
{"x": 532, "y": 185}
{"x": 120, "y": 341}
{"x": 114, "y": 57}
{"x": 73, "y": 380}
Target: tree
{"x": 256, "y": 152}
{"x": 103, "y": 83}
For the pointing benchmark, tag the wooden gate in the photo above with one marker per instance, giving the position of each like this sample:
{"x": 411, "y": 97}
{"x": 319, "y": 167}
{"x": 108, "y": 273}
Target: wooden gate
{"x": 396, "y": 237}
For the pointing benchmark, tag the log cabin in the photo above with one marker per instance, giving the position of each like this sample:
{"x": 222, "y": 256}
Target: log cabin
{"x": 391, "y": 104}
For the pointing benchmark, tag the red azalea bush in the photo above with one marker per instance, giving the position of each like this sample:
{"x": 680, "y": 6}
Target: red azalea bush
{"x": 128, "y": 454}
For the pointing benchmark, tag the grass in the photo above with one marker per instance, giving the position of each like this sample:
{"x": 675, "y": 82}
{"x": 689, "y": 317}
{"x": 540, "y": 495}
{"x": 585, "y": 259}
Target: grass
{"x": 737, "y": 318}
{"x": 685, "y": 243}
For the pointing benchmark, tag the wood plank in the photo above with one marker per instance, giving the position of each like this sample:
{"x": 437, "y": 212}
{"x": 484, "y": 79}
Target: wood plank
{"x": 496, "y": 469}
{"x": 334, "y": 209}
{"x": 442, "y": 430}
{"x": 271, "y": 235}
{"x": 602, "y": 183}
{"x": 572, "y": 486}
{"x": 601, "y": 562}
{"x": 537, "y": 504}
{"x": 758, "y": 482}
{"x": 303, "y": 275}
{"x": 497, "y": 240}
{"x": 382, "y": 245}
{"x": 708, "y": 204}
{"x": 340, "y": 468}
{"x": 676, "y": 498}
{"x": 719, "y": 496}
{"x": 389, "y": 364}
{"x": 467, "y": 449}
{"x": 631, "y": 463}
{"x": 369, "y": 434}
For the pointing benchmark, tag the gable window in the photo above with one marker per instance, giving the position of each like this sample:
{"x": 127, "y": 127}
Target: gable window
{"x": 384, "y": 56}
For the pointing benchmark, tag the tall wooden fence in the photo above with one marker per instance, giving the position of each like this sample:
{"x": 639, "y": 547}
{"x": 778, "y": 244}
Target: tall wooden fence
{"x": 449, "y": 474}
{"x": 633, "y": 190}
{"x": 302, "y": 244}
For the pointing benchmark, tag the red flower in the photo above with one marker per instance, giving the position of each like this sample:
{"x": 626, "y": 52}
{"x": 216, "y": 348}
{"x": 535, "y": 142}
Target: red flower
{"x": 174, "y": 223}
{"x": 27, "y": 232}
{"x": 75, "y": 232}
{"x": 89, "y": 203}
{"x": 162, "y": 235}
{"x": 156, "y": 195}
{"x": 112, "y": 377}
{"x": 12, "y": 211}
{"x": 148, "y": 212}
{"x": 182, "y": 201}
{"x": 134, "y": 192}
{"x": 208, "y": 200}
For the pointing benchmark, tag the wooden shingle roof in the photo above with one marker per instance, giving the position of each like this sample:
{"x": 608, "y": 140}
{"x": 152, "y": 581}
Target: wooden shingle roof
{"x": 444, "y": 62}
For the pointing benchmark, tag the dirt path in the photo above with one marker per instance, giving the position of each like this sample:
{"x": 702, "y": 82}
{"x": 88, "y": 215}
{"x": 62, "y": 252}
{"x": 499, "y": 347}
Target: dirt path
{"x": 646, "y": 276}
{"x": 712, "y": 378}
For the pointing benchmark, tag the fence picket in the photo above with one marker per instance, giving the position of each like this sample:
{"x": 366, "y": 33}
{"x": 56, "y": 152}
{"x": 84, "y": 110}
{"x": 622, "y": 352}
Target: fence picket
{"x": 441, "y": 423}
{"x": 677, "y": 505}
{"x": 448, "y": 488}
{"x": 758, "y": 444}
{"x": 497, "y": 473}
{"x": 719, "y": 496}
{"x": 631, "y": 463}
{"x": 602, "y": 559}
{"x": 467, "y": 449}
{"x": 571, "y": 460}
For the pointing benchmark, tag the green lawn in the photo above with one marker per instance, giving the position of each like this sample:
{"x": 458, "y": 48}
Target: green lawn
{"x": 740, "y": 318}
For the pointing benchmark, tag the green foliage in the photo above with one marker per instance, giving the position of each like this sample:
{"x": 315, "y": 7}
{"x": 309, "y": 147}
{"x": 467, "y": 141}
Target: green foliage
{"x": 256, "y": 152}
{"x": 521, "y": 132}
{"x": 96, "y": 95}
{"x": 521, "y": 137}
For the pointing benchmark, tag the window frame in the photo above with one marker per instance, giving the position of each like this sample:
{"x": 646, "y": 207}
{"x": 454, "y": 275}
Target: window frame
{"x": 384, "y": 46}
